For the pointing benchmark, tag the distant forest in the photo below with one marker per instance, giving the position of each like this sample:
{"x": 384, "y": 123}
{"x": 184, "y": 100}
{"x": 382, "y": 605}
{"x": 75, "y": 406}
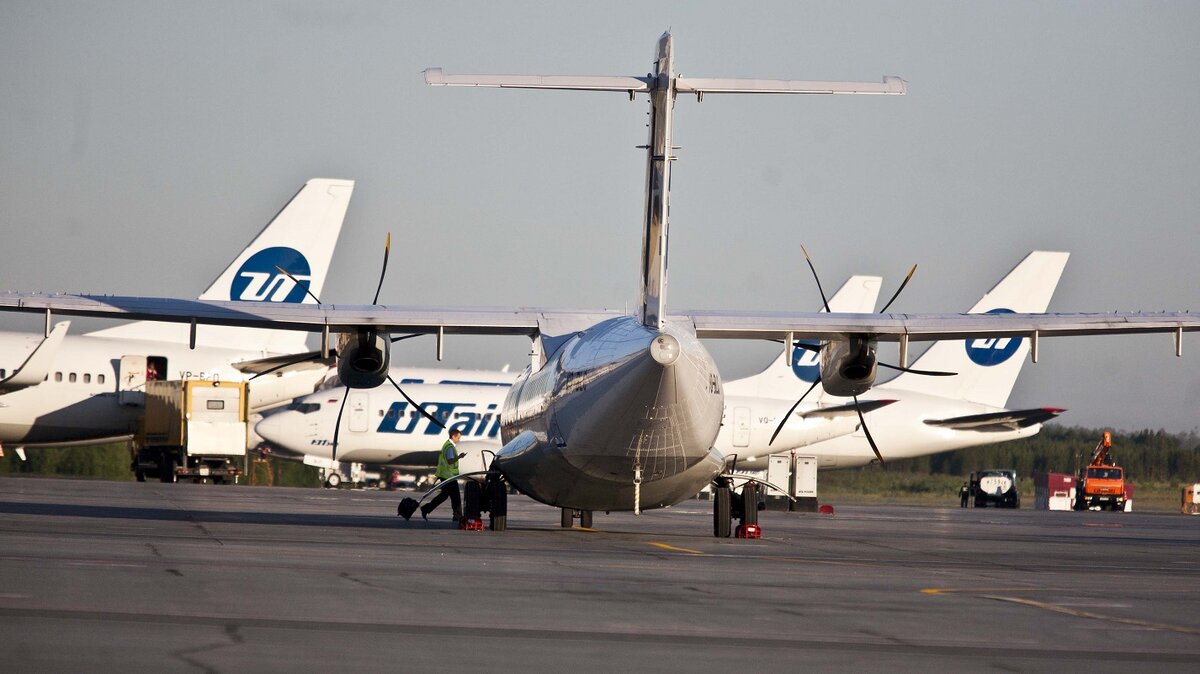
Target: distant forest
{"x": 1148, "y": 456}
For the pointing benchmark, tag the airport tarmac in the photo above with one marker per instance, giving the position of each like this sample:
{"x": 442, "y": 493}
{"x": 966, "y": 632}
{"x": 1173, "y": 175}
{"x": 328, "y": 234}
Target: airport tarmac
{"x": 106, "y": 576}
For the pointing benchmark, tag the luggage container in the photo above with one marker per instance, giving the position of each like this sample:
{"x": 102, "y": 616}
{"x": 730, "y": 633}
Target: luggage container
{"x": 1054, "y": 491}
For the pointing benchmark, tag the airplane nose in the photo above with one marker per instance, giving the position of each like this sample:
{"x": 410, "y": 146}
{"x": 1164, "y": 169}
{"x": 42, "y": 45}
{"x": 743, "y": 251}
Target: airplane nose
{"x": 271, "y": 428}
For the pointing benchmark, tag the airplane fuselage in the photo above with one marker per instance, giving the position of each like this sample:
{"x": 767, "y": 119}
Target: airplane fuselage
{"x": 619, "y": 410}
{"x": 88, "y": 396}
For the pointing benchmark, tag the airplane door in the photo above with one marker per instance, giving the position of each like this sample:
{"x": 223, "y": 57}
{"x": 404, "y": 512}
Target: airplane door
{"x": 741, "y": 427}
{"x": 358, "y": 410}
{"x": 131, "y": 381}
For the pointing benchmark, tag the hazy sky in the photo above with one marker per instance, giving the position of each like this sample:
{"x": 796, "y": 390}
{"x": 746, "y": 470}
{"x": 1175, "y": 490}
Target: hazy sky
{"x": 142, "y": 144}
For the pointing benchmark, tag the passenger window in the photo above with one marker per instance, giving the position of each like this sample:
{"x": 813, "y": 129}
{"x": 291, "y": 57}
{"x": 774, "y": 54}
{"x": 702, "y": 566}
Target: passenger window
{"x": 71, "y": 377}
{"x": 57, "y": 376}
{"x": 87, "y": 378}
{"x": 99, "y": 379}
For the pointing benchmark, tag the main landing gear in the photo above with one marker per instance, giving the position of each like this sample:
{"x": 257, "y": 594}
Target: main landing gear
{"x": 569, "y": 515}
{"x": 728, "y": 505}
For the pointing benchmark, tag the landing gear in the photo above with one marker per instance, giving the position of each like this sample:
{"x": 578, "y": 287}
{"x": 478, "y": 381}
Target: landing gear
{"x": 727, "y": 505}
{"x": 569, "y": 515}
{"x": 497, "y": 498}
{"x": 722, "y": 513}
{"x": 472, "y": 519}
{"x": 333, "y": 480}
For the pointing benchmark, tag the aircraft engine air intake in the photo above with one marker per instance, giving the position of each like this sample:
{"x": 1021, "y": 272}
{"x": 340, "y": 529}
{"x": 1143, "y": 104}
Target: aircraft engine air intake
{"x": 848, "y": 366}
{"x": 363, "y": 358}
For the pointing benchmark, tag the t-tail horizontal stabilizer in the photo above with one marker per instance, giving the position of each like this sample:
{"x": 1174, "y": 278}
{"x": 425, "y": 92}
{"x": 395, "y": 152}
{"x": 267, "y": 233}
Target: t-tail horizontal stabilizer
{"x": 661, "y": 85}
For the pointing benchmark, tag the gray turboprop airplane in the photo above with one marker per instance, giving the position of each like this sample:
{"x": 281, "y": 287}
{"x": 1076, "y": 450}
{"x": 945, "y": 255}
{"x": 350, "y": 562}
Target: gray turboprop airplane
{"x": 619, "y": 412}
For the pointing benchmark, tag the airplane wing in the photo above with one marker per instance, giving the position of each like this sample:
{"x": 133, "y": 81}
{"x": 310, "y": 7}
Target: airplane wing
{"x": 995, "y": 422}
{"x": 35, "y": 368}
{"x": 528, "y": 321}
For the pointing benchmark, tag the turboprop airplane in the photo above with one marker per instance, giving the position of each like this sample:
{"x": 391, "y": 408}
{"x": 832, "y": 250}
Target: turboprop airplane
{"x": 926, "y": 415}
{"x": 83, "y": 389}
{"x": 384, "y": 428}
{"x": 619, "y": 412}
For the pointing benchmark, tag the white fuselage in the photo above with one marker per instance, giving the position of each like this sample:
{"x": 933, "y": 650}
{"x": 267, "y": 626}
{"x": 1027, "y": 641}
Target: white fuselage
{"x": 87, "y": 396}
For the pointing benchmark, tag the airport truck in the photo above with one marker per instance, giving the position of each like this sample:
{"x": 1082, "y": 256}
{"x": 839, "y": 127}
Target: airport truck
{"x": 1101, "y": 482}
{"x": 192, "y": 429}
{"x": 994, "y": 486}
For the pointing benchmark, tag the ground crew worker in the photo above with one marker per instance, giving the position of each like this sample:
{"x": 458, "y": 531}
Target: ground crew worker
{"x": 447, "y": 468}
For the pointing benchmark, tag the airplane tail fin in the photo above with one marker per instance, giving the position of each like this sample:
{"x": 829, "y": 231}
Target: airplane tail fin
{"x": 299, "y": 239}
{"x": 789, "y": 371}
{"x": 988, "y": 368}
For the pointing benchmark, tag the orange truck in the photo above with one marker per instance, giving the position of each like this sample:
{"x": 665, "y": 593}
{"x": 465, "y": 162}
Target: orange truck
{"x": 1101, "y": 482}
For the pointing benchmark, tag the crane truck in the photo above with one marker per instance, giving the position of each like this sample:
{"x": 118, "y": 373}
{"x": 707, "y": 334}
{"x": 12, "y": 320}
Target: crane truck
{"x": 1101, "y": 482}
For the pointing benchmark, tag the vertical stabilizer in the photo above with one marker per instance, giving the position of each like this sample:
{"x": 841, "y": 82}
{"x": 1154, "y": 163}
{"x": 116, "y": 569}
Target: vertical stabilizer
{"x": 300, "y": 239}
{"x": 988, "y": 368}
{"x": 790, "y": 373}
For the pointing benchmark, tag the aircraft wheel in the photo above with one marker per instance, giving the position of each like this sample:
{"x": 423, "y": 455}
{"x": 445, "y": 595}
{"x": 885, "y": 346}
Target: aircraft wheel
{"x": 750, "y": 503}
{"x": 333, "y": 480}
{"x": 472, "y": 500}
{"x": 568, "y": 518}
{"x": 498, "y": 504}
{"x": 722, "y": 517}
{"x": 585, "y": 519}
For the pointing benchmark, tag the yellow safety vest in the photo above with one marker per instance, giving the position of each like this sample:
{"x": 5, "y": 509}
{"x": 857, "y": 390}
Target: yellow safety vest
{"x": 447, "y": 468}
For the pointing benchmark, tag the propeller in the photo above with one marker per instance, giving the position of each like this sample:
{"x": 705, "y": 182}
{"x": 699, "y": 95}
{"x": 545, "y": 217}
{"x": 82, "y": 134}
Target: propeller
{"x": 787, "y": 416}
{"x": 337, "y": 425}
{"x": 816, "y": 348}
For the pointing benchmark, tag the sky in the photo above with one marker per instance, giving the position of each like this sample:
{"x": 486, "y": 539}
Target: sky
{"x": 143, "y": 144}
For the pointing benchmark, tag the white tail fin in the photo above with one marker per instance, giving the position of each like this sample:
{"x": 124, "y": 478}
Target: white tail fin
{"x": 988, "y": 368}
{"x": 300, "y": 239}
{"x": 789, "y": 374}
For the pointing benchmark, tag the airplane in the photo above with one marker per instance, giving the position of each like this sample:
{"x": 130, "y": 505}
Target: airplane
{"x": 927, "y": 415}
{"x": 923, "y": 415}
{"x": 619, "y": 412}
{"x": 65, "y": 389}
{"x": 384, "y": 429}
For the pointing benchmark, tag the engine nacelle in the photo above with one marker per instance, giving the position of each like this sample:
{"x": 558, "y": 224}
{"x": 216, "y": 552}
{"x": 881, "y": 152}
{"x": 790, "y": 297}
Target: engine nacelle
{"x": 848, "y": 366}
{"x": 363, "y": 358}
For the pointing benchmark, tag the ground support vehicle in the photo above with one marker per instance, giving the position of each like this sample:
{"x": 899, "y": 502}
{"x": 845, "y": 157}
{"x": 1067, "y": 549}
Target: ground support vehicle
{"x": 994, "y": 486}
{"x": 1101, "y": 482}
{"x": 192, "y": 429}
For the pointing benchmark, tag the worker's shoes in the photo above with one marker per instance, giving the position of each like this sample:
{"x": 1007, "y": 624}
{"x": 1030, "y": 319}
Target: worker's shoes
{"x": 407, "y": 507}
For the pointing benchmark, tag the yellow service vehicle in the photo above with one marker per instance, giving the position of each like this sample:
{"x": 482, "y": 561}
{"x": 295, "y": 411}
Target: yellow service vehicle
{"x": 192, "y": 428}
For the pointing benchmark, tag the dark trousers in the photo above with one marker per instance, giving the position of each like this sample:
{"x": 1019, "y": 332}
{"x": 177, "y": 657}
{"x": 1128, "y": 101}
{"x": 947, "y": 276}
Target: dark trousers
{"x": 448, "y": 491}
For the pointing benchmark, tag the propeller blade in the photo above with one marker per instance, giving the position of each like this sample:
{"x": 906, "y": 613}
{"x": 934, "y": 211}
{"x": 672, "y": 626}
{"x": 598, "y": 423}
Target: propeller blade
{"x": 297, "y": 282}
{"x": 898, "y": 290}
{"x": 401, "y": 338}
{"x": 928, "y": 373}
{"x": 863, "y": 421}
{"x": 793, "y": 409}
{"x": 817, "y": 278}
{"x": 337, "y": 425}
{"x": 387, "y": 249}
{"x": 420, "y": 409}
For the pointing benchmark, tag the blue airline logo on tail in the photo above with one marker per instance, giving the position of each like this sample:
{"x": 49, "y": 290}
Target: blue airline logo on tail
{"x": 989, "y": 351}
{"x": 259, "y": 281}
{"x": 806, "y": 364}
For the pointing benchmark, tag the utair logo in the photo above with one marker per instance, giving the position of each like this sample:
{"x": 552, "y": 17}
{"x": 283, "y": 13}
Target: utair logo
{"x": 989, "y": 351}
{"x": 465, "y": 416}
{"x": 259, "y": 281}
{"x": 806, "y": 364}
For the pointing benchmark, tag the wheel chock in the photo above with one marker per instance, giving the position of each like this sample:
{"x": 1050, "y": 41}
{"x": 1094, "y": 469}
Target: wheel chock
{"x": 748, "y": 531}
{"x": 471, "y": 524}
